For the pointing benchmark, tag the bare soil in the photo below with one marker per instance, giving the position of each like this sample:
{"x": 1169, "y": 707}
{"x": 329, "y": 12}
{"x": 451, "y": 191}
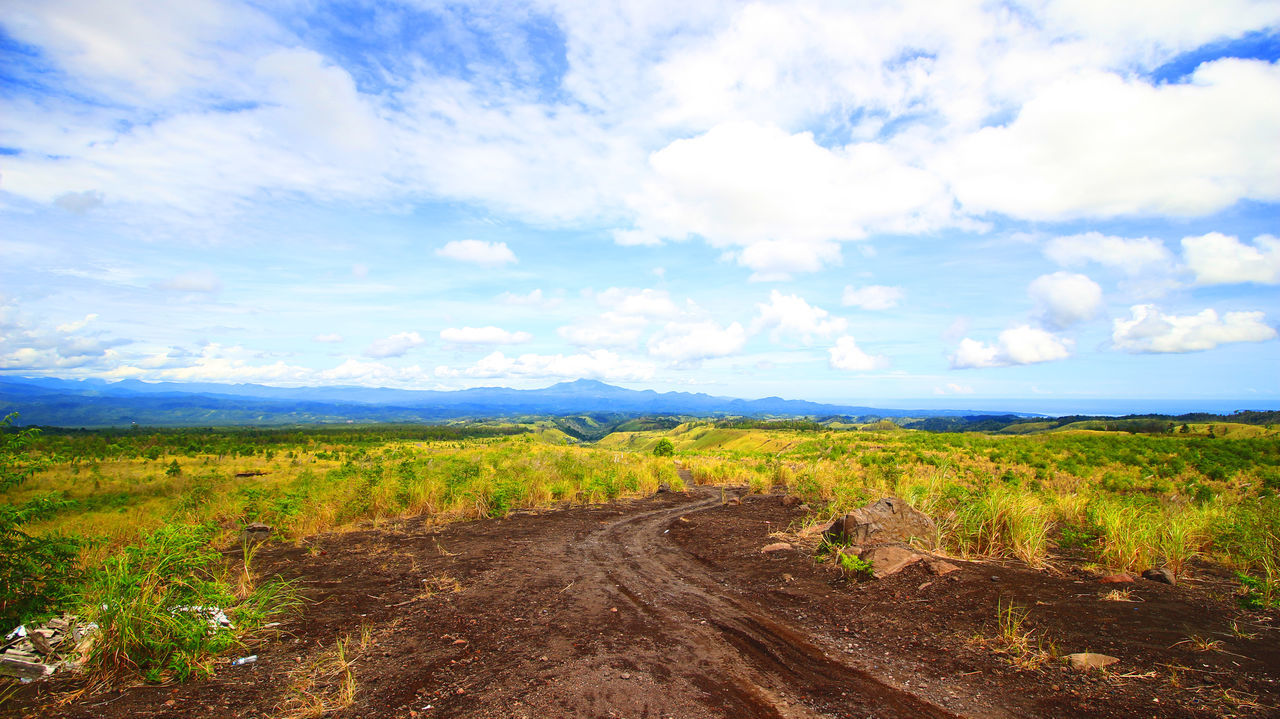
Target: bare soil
{"x": 666, "y": 607}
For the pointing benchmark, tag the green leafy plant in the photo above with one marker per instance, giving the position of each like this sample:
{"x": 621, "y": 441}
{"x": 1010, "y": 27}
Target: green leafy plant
{"x": 853, "y": 564}
{"x": 156, "y": 606}
{"x": 664, "y": 448}
{"x": 37, "y": 572}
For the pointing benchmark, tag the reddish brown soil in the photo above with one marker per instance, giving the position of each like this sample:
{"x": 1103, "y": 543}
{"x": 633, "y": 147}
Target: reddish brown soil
{"x": 665, "y": 607}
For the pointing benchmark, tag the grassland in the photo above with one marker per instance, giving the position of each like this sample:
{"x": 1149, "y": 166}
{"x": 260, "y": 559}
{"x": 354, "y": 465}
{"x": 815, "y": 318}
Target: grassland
{"x": 1119, "y": 501}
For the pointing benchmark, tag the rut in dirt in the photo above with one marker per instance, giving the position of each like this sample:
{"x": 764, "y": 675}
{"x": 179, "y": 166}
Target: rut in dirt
{"x": 741, "y": 649}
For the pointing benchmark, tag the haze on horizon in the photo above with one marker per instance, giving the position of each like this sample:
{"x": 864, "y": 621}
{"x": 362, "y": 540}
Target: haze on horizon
{"x": 841, "y": 202}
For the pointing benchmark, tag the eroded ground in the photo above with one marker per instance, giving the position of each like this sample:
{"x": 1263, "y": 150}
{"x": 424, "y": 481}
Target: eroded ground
{"x": 666, "y": 607}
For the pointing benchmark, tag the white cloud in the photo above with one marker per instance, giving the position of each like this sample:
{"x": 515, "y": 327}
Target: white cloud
{"x": 1093, "y": 144}
{"x": 640, "y": 303}
{"x": 1066, "y": 299}
{"x": 610, "y": 329}
{"x": 78, "y": 325}
{"x": 1217, "y": 259}
{"x": 872, "y": 297}
{"x": 598, "y": 364}
{"x": 792, "y": 315}
{"x": 846, "y": 355}
{"x": 394, "y": 346}
{"x": 478, "y": 252}
{"x": 1148, "y": 330}
{"x": 483, "y": 336}
{"x": 745, "y": 184}
{"x": 1015, "y": 346}
{"x": 683, "y": 342}
{"x": 1129, "y": 255}
{"x": 953, "y": 388}
{"x": 533, "y": 298}
{"x": 328, "y": 337}
{"x": 202, "y": 281}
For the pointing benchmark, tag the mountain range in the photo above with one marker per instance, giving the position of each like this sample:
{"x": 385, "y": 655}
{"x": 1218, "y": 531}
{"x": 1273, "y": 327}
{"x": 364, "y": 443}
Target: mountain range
{"x": 98, "y": 403}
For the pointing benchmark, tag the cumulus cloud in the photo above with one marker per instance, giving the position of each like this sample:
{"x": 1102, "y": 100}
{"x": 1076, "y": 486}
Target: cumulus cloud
{"x": 77, "y": 325}
{"x": 872, "y": 297}
{"x": 610, "y": 329}
{"x": 781, "y": 196}
{"x": 1129, "y": 255}
{"x": 683, "y": 342}
{"x": 1016, "y": 346}
{"x": 1148, "y": 330}
{"x": 483, "y": 336}
{"x": 1066, "y": 299}
{"x": 846, "y": 355}
{"x": 478, "y": 252}
{"x": 597, "y": 364}
{"x": 640, "y": 303}
{"x": 532, "y": 298}
{"x": 791, "y": 315}
{"x": 198, "y": 281}
{"x": 394, "y": 346}
{"x": 1071, "y": 151}
{"x": 1218, "y": 259}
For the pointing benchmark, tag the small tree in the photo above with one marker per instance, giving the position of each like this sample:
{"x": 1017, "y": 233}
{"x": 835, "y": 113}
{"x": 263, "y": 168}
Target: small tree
{"x": 36, "y": 572}
{"x": 664, "y": 448}
{"x": 174, "y": 469}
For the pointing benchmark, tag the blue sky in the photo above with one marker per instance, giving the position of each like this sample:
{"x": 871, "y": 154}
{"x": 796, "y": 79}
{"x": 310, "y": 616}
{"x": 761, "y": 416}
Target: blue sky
{"x": 845, "y": 202}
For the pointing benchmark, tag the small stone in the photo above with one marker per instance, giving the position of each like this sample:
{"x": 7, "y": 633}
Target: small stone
{"x": 940, "y": 567}
{"x": 791, "y": 500}
{"x": 459, "y": 642}
{"x": 805, "y": 508}
{"x": 924, "y": 586}
{"x": 887, "y": 559}
{"x": 788, "y": 578}
{"x": 1116, "y": 579}
{"x": 775, "y": 547}
{"x": 1161, "y": 575}
{"x": 994, "y": 578}
{"x": 1084, "y": 661}
{"x": 624, "y": 675}
{"x": 734, "y": 501}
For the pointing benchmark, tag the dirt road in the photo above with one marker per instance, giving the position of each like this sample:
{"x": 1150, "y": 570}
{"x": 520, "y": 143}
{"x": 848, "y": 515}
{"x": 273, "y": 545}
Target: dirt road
{"x": 666, "y": 607}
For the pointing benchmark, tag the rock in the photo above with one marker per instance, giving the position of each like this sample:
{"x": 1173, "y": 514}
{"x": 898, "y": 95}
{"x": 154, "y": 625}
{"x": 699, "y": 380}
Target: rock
{"x": 1085, "y": 661}
{"x": 775, "y": 547}
{"x": 664, "y": 488}
{"x": 255, "y": 533}
{"x": 1162, "y": 575}
{"x": 889, "y": 559}
{"x": 941, "y": 567}
{"x": 886, "y": 521}
{"x": 791, "y": 500}
{"x": 1116, "y": 579}
{"x": 733, "y": 501}
{"x": 805, "y": 508}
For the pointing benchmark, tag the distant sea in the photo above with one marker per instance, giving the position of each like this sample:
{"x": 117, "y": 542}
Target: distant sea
{"x": 1106, "y": 407}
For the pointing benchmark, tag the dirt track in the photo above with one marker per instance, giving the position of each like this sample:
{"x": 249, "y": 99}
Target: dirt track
{"x": 665, "y": 607}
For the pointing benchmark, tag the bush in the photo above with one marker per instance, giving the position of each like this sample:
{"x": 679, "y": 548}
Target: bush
{"x": 37, "y": 573}
{"x": 664, "y": 448}
{"x": 151, "y": 604}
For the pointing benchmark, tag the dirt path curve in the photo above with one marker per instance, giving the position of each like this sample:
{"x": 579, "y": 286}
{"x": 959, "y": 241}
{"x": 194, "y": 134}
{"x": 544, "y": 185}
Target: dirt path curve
{"x": 773, "y": 669}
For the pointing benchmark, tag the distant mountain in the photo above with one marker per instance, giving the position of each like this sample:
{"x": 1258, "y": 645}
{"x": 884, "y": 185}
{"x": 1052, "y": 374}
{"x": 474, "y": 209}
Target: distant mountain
{"x": 97, "y": 403}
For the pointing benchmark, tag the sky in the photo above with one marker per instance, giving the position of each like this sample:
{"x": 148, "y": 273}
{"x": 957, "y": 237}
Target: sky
{"x": 852, "y": 202}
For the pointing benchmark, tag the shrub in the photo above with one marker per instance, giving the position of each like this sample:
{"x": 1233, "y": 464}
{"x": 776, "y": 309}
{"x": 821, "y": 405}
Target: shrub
{"x": 152, "y": 605}
{"x": 664, "y": 448}
{"x": 36, "y": 572}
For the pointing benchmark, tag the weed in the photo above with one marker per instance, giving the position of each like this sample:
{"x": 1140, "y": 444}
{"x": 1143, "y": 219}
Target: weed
{"x": 327, "y": 684}
{"x": 155, "y": 604}
{"x": 855, "y": 565}
{"x": 1118, "y": 595}
{"x": 1016, "y": 639}
{"x": 1201, "y": 643}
